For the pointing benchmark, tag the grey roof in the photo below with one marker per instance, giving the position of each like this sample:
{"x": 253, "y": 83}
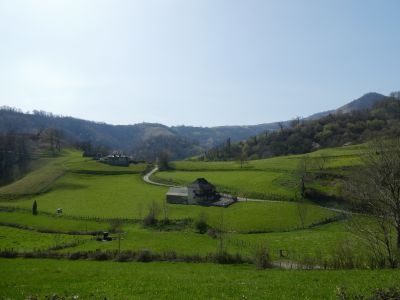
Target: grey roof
{"x": 203, "y": 184}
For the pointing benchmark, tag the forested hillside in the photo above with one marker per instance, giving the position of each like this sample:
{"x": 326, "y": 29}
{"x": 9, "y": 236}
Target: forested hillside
{"x": 303, "y": 136}
{"x": 143, "y": 141}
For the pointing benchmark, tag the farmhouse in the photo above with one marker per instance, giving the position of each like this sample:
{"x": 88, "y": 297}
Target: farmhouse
{"x": 116, "y": 160}
{"x": 199, "y": 192}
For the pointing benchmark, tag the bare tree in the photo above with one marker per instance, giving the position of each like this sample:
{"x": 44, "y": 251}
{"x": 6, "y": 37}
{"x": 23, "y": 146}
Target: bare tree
{"x": 375, "y": 190}
{"x": 302, "y": 173}
{"x": 320, "y": 161}
{"x": 163, "y": 160}
{"x": 302, "y": 211}
{"x": 377, "y": 236}
{"x": 241, "y": 156}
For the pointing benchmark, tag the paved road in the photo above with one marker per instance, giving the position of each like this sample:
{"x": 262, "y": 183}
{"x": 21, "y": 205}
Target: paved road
{"x": 147, "y": 179}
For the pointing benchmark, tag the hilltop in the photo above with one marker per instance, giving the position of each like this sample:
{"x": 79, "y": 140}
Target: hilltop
{"x": 147, "y": 140}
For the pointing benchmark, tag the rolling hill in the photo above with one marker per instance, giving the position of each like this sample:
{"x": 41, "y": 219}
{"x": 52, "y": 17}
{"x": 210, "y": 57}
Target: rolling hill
{"x": 147, "y": 140}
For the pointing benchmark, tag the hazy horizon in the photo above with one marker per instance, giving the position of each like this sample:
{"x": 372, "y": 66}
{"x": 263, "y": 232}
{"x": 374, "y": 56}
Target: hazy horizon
{"x": 195, "y": 63}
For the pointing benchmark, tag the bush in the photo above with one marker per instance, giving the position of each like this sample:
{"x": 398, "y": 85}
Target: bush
{"x": 223, "y": 257}
{"x": 213, "y": 233}
{"x": 34, "y": 208}
{"x": 201, "y": 224}
{"x": 99, "y": 255}
{"x": 78, "y": 255}
{"x": 151, "y": 218}
{"x": 115, "y": 226}
{"x": 344, "y": 256}
{"x": 170, "y": 255}
{"x": 261, "y": 257}
{"x": 125, "y": 256}
{"x": 145, "y": 256}
{"x": 378, "y": 294}
{"x": 8, "y": 253}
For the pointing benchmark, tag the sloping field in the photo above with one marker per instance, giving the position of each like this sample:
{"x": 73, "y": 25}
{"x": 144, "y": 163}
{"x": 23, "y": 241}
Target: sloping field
{"x": 271, "y": 179}
{"x": 26, "y": 240}
{"x": 110, "y": 280}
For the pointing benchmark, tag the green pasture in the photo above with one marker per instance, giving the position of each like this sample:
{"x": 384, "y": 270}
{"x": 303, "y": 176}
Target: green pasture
{"x": 272, "y": 179}
{"x": 253, "y": 184}
{"x": 90, "y": 166}
{"x": 26, "y": 240}
{"x": 321, "y": 240}
{"x": 335, "y": 158}
{"x": 44, "y": 222}
{"x": 46, "y": 171}
{"x": 136, "y": 238}
{"x": 128, "y": 197}
{"x": 21, "y": 278}
{"x": 116, "y": 196}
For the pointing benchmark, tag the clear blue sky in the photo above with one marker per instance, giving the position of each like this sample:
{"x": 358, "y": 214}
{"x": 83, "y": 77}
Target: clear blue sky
{"x": 203, "y": 62}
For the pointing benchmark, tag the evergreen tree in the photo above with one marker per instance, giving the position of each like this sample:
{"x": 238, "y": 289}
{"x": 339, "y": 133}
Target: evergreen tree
{"x": 34, "y": 208}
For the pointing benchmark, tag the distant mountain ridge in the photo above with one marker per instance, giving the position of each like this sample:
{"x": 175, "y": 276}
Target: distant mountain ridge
{"x": 146, "y": 140}
{"x": 367, "y": 101}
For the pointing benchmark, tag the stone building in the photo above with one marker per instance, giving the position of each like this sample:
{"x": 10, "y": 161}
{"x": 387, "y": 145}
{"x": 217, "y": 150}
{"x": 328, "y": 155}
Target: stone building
{"x": 199, "y": 192}
{"x": 116, "y": 160}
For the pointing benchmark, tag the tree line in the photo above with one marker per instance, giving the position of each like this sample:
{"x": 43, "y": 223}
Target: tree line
{"x": 18, "y": 149}
{"x": 303, "y": 136}
{"x": 14, "y": 155}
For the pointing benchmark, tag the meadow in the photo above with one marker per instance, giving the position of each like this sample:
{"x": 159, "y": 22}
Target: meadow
{"x": 25, "y": 240}
{"x": 270, "y": 179}
{"x": 93, "y": 194}
{"x": 21, "y": 278}
{"x": 44, "y": 222}
{"x": 84, "y": 195}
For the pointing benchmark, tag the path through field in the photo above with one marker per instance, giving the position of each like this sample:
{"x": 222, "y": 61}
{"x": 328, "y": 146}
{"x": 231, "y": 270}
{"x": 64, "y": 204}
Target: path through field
{"x": 147, "y": 179}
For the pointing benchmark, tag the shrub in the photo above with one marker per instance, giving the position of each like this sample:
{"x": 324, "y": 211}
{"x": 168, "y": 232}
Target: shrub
{"x": 115, "y": 225}
{"x": 223, "y": 257}
{"x": 261, "y": 257}
{"x": 170, "y": 255}
{"x": 151, "y": 218}
{"x": 125, "y": 256}
{"x": 392, "y": 293}
{"x": 344, "y": 256}
{"x": 201, "y": 223}
{"x": 213, "y": 233}
{"x": 34, "y": 208}
{"x": 145, "y": 256}
{"x": 8, "y": 253}
{"x": 99, "y": 255}
{"x": 78, "y": 255}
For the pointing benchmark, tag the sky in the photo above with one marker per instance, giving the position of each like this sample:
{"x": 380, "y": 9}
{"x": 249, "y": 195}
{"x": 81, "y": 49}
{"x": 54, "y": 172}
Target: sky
{"x": 195, "y": 62}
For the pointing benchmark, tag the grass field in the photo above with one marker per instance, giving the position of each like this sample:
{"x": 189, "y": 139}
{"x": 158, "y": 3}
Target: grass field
{"x": 127, "y": 196}
{"x": 86, "y": 189}
{"x": 46, "y": 172}
{"x": 83, "y": 194}
{"x": 23, "y": 240}
{"x": 21, "y": 278}
{"x": 273, "y": 178}
{"x": 267, "y": 185}
{"x": 45, "y": 222}
{"x": 336, "y": 158}
{"x": 298, "y": 244}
